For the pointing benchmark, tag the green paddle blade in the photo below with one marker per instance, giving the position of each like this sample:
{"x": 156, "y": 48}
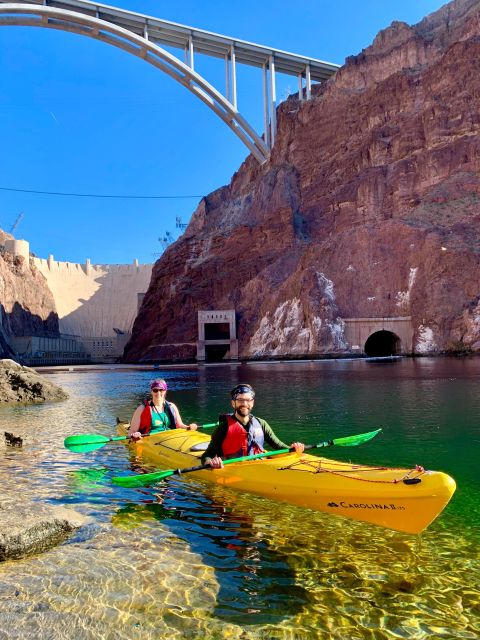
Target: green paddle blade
{"x": 85, "y": 448}
{"x": 352, "y": 441}
{"x": 140, "y": 481}
{"x": 84, "y": 442}
{"x": 85, "y": 438}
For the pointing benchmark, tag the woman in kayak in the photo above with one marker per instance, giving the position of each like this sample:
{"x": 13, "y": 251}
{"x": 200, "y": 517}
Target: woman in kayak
{"x": 156, "y": 414}
{"x": 240, "y": 433}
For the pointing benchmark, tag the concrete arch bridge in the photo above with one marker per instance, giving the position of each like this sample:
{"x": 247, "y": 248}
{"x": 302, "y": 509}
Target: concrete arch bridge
{"x": 145, "y": 36}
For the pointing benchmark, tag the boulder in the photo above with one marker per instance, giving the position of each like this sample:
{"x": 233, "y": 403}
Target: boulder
{"x": 29, "y": 529}
{"x": 23, "y": 384}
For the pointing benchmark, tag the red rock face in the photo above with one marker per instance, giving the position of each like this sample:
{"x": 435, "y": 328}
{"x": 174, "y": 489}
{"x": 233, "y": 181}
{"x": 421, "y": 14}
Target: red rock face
{"x": 368, "y": 208}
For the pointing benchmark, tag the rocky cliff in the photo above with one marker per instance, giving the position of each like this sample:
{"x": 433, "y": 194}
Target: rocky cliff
{"x": 368, "y": 208}
{"x": 26, "y": 303}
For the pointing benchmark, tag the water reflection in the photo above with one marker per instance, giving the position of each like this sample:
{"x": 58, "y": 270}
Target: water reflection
{"x": 256, "y": 583}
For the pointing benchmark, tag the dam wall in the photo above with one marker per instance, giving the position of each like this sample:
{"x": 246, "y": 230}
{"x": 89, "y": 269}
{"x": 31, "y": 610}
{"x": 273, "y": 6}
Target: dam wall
{"x": 95, "y": 299}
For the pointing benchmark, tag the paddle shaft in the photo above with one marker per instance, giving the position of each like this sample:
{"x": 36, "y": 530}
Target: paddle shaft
{"x": 145, "y": 479}
{"x": 254, "y": 456}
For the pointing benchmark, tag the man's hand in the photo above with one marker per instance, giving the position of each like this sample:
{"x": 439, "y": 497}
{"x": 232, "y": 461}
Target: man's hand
{"x": 192, "y": 426}
{"x": 298, "y": 446}
{"x": 136, "y": 435}
{"x": 215, "y": 463}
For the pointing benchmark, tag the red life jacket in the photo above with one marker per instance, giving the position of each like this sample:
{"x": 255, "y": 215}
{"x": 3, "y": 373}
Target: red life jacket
{"x": 239, "y": 442}
{"x": 146, "y": 417}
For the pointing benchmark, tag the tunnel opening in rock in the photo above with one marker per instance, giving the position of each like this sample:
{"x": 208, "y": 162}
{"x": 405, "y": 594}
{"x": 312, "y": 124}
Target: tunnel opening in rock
{"x": 382, "y": 344}
{"x": 216, "y": 352}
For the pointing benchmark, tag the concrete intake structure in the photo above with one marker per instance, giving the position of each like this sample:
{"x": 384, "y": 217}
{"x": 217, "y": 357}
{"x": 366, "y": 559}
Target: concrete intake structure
{"x": 217, "y": 335}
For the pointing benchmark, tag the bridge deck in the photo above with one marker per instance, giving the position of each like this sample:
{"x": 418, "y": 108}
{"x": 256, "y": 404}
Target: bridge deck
{"x": 163, "y": 32}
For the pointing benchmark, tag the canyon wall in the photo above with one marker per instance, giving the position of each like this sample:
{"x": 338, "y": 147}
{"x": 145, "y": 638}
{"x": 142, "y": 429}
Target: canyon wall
{"x": 368, "y": 208}
{"x": 26, "y": 303}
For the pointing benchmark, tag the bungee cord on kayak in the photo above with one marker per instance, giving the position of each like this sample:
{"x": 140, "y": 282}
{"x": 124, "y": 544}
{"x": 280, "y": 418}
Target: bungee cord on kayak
{"x": 317, "y": 467}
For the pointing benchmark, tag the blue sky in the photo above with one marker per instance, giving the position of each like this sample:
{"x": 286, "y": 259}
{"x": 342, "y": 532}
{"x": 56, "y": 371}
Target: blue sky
{"x": 80, "y": 116}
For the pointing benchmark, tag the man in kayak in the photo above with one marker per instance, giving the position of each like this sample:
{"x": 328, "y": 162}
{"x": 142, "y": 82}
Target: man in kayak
{"x": 156, "y": 414}
{"x": 240, "y": 433}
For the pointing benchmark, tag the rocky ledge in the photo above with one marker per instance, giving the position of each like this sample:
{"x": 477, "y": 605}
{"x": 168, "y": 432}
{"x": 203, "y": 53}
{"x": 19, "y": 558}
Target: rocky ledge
{"x": 22, "y": 384}
{"x": 25, "y": 530}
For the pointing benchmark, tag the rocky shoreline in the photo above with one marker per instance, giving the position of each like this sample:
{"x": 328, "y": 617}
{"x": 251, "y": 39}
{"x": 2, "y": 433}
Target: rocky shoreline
{"x": 26, "y": 529}
{"x": 19, "y": 384}
{"x": 30, "y": 528}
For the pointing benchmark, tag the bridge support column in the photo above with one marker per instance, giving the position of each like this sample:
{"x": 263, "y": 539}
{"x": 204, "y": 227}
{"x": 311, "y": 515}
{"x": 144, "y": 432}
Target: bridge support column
{"x": 308, "y": 81}
{"x": 189, "y": 53}
{"x": 300, "y": 87}
{"x": 233, "y": 69}
{"x": 273, "y": 101}
{"x": 266, "y": 111}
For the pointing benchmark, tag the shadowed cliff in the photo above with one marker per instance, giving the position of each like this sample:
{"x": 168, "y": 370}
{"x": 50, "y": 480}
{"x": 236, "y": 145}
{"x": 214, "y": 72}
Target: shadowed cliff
{"x": 26, "y": 303}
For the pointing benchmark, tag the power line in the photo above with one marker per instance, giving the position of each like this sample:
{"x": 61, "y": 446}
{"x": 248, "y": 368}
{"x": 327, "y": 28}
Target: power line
{"x": 96, "y": 195}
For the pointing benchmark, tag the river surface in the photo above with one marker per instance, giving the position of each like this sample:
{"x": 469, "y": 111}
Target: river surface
{"x": 190, "y": 560}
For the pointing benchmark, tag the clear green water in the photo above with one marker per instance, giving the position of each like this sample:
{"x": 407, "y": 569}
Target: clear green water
{"x": 188, "y": 560}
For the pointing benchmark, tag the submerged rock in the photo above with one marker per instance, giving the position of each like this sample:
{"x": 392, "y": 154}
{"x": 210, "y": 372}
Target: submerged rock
{"x": 18, "y": 439}
{"x": 22, "y": 384}
{"x": 25, "y": 530}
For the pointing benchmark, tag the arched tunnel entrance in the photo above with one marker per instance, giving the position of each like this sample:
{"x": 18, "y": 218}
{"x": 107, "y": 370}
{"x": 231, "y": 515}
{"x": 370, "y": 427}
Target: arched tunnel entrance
{"x": 383, "y": 343}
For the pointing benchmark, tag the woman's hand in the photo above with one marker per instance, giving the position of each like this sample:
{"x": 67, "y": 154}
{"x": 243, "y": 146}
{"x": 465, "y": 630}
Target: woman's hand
{"x": 298, "y": 446}
{"x": 215, "y": 463}
{"x": 192, "y": 426}
{"x": 136, "y": 435}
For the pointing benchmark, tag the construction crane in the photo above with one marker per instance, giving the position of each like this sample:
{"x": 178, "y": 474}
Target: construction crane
{"x": 17, "y": 222}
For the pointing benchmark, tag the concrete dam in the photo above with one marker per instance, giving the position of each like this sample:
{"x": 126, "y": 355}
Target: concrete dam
{"x": 96, "y": 305}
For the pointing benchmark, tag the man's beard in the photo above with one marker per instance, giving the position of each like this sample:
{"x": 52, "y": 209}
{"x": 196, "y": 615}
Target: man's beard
{"x": 242, "y": 411}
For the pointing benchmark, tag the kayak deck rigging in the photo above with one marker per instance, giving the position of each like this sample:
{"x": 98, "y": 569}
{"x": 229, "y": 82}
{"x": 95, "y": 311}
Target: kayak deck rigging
{"x": 318, "y": 467}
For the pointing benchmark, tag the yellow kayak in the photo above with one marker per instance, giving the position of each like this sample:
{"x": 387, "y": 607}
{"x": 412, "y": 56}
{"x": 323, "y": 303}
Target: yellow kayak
{"x": 402, "y": 499}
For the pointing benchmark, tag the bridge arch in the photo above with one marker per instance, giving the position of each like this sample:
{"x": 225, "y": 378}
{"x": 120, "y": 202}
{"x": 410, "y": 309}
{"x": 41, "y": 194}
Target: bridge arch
{"x": 139, "y": 35}
{"x": 32, "y": 15}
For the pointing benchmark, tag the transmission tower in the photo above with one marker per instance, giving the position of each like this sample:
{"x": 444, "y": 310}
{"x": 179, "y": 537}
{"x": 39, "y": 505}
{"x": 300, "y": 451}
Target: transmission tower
{"x": 167, "y": 240}
{"x": 180, "y": 224}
